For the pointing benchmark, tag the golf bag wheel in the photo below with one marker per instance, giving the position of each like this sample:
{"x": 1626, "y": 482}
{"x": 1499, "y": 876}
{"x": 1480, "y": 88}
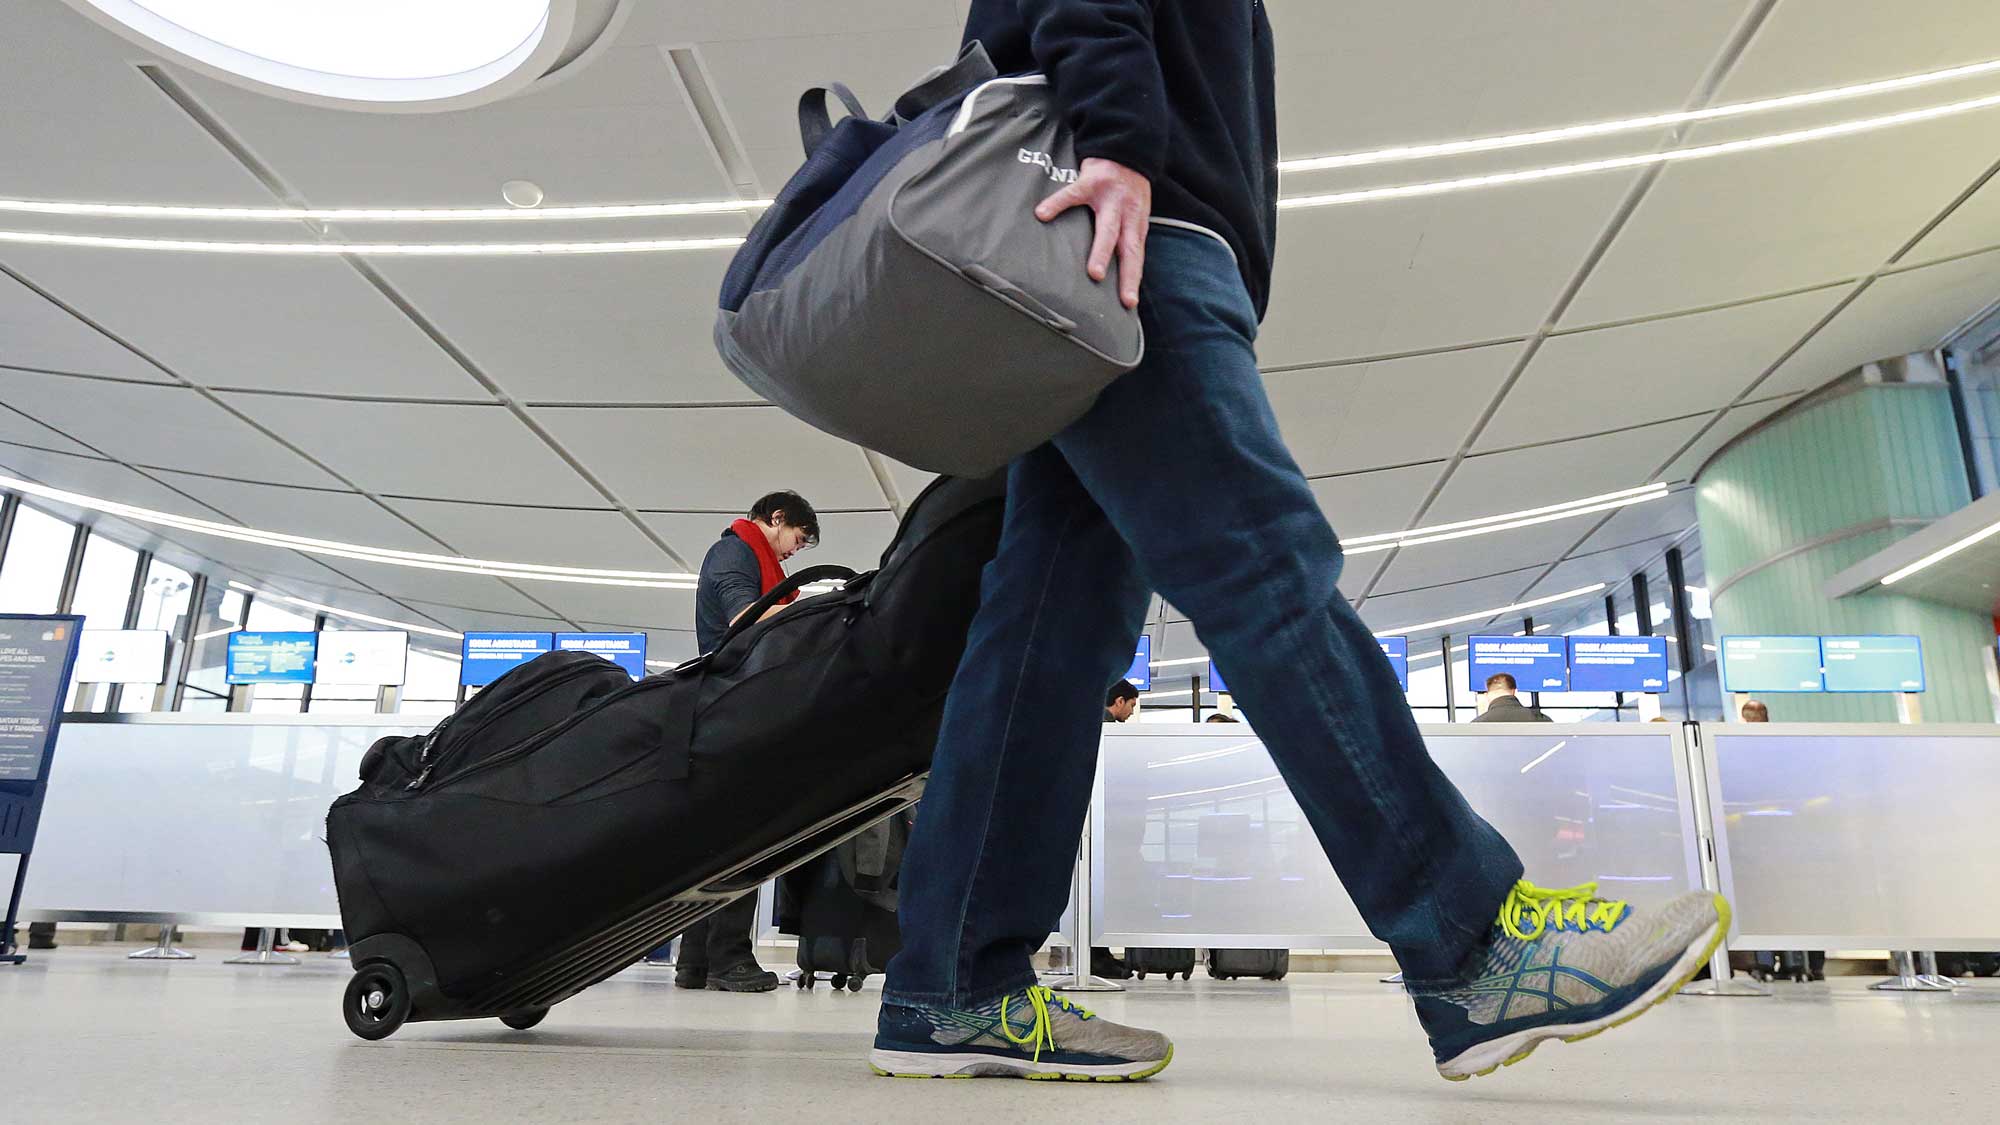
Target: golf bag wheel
{"x": 854, "y": 983}
{"x": 377, "y": 1001}
{"x": 839, "y": 981}
{"x": 522, "y": 1021}
{"x": 804, "y": 981}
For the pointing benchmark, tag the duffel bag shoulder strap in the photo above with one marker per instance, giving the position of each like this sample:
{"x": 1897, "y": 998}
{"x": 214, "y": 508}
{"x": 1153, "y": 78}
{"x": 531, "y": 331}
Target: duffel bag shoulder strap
{"x": 815, "y": 123}
{"x": 974, "y": 66}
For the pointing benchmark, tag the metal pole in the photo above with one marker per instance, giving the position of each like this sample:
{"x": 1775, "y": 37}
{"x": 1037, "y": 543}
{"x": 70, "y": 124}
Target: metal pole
{"x": 1961, "y": 412}
{"x": 1902, "y": 963}
{"x": 1450, "y": 696}
{"x": 1927, "y": 970}
{"x": 1683, "y": 626}
{"x": 306, "y": 692}
{"x": 73, "y": 569}
{"x": 266, "y": 954}
{"x": 1695, "y": 763}
{"x": 1611, "y": 630}
{"x": 190, "y": 626}
{"x": 1195, "y": 683}
{"x": 10, "y": 506}
{"x": 1080, "y": 925}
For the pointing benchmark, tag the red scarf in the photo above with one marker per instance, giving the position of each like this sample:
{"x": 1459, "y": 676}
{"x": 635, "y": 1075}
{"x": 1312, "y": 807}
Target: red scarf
{"x": 769, "y": 573}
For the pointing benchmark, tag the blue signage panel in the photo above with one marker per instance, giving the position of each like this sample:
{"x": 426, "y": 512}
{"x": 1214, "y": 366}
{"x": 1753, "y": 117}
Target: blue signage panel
{"x": 271, "y": 658}
{"x": 1215, "y": 683}
{"x": 485, "y": 657}
{"x": 1892, "y": 664}
{"x": 1397, "y": 649}
{"x": 1141, "y": 673}
{"x": 627, "y": 650}
{"x": 1770, "y": 665}
{"x": 1634, "y": 664}
{"x": 1536, "y": 663}
{"x": 37, "y": 657}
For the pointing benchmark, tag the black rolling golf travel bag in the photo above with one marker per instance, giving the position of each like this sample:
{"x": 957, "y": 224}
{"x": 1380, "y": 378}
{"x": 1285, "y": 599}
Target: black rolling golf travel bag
{"x": 567, "y": 819}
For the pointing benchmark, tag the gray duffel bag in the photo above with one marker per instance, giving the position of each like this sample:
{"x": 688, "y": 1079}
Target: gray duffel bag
{"x": 900, "y": 292}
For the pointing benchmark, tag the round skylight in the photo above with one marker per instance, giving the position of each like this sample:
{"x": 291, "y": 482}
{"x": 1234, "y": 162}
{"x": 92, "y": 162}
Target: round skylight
{"x": 379, "y": 53}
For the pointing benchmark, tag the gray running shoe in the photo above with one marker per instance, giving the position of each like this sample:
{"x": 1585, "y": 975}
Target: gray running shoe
{"x": 1029, "y": 1034}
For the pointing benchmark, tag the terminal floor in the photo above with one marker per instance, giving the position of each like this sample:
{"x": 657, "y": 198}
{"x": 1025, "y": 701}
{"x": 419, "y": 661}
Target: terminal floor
{"x": 87, "y": 1036}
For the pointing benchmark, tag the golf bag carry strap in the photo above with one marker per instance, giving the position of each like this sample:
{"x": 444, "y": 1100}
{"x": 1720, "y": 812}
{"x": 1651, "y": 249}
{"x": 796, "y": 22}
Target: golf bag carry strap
{"x": 678, "y": 743}
{"x": 973, "y": 67}
{"x": 814, "y": 120}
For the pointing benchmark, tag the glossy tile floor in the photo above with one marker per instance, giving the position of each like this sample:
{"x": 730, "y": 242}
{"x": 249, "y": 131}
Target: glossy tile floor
{"x": 86, "y": 1035}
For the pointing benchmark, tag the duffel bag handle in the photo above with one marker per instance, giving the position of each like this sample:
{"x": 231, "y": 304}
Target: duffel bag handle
{"x": 762, "y": 605}
{"x": 814, "y": 120}
{"x": 974, "y": 66}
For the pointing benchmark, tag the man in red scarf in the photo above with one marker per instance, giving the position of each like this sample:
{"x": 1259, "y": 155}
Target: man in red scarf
{"x": 741, "y": 566}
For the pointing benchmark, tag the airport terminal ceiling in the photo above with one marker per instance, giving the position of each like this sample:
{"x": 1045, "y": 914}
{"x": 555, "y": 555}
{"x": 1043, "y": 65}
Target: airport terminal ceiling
{"x": 1457, "y": 333}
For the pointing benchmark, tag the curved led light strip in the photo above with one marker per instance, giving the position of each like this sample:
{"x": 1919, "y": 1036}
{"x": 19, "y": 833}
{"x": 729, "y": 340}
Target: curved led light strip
{"x": 1633, "y": 124}
{"x": 374, "y": 249}
{"x": 1369, "y": 544}
{"x": 383, "y": 214}
{"x": 1640, "y": 160}
{"x": 1482, "y": 615}
{"x": 335, "y": 610}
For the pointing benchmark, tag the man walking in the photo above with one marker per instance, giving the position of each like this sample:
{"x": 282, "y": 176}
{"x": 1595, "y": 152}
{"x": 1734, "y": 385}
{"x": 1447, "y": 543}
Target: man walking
{"x": 1170, "y": 103}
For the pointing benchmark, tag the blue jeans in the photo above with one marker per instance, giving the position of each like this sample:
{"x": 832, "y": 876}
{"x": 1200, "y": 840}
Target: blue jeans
{"x": 1176, "y": 481}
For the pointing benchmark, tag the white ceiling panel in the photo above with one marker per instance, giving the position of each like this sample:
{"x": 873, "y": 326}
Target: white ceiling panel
{"x": 37, "y": 333}
{"x": 1828, "y": 43}
{"x": 712, "y": 458}
{"x": 599, "y": 328}
{"x": 910, "y": 483}
{"x": 487, "y": 621}
{"x": 288, "y": 323}
{"x": 1687, "y": 464}
{"x": 1974, "y": 226}
{"x": 1402, "y": 275}
{"x": 1460, "y": 560}
{"x": 422, "y": 449}
{"x": 348, "y": 517}
{"x": 163, "y": 426}
{"x": 551, "y": 536}
{"x": 1766, "y": 221}
{"x": 60, "y": 75}
{"x": 469, "y": 590}
{"x": 1899, "y": 314}
{"x": 1442, "y": 70}
{"x": 1670, "y": 516}
{"x": 1392, "y": 412}
{"x": 615, "y": 131}
{"x": 1367, "y": 503}
{"x": 97, "y": 478}
{"x": 854, "y": 540}
{"x": 674, "y": 24}
{"x": 1588, "y": 382}
{"x": 628, "y": 604}
{"x": 1395, "y": 613}
{"x": 19, "y": 429}
{"x": 1492, "y": 483}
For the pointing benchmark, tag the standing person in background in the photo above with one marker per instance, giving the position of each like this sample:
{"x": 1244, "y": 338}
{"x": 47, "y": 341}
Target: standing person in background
{"x": 1503, "y": 705}
{"x": 1172, "y": 107}
{"x": 718, "y": 953}
{"x": 1756, "y": 711}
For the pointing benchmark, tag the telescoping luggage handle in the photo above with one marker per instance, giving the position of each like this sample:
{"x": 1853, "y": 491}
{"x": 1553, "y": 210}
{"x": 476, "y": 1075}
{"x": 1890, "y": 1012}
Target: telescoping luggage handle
{"x": 678, "y": 743}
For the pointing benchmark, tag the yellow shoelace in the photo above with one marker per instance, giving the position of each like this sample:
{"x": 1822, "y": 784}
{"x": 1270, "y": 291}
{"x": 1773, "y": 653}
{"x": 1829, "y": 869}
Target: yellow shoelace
{"x": 1040, "y": 1035}
{"x": 1576, "y": 908}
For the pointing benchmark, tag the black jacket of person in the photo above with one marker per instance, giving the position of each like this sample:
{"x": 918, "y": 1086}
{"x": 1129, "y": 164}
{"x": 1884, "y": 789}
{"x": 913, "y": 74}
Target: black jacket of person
{"x": 1510, "y": 709}
{"x": 1180, "y": 91}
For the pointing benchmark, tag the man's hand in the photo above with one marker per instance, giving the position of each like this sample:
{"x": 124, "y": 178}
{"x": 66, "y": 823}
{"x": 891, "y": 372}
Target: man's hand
{"x": 1122, "y": 201}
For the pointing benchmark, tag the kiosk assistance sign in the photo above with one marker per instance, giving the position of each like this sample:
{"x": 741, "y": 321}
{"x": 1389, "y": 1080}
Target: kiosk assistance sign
{"x": 37, "y": 655}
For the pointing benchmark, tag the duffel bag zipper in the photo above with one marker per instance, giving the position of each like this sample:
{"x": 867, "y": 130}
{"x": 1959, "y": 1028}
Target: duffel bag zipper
{"x": 424, "y": 762}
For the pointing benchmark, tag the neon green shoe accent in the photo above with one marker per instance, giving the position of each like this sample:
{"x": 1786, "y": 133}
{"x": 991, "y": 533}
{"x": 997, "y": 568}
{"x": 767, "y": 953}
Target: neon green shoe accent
{"x": 1040, "y": 1036}
{"x": 1576, "y": 908}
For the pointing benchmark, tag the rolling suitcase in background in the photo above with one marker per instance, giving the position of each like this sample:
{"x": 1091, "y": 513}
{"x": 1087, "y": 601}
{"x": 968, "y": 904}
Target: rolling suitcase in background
{"x": 842, "y": 906}
{"x": 567, "y": 820}
{"x": 1269, "y": 964}
{"x": 1165, "y": 961}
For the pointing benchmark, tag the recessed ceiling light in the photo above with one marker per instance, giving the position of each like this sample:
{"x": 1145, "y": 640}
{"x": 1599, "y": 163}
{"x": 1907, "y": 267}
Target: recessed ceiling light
{"x": 1505, "y": 609}
{"x": 521, "y": 193}
{"x": 375, "y": 249}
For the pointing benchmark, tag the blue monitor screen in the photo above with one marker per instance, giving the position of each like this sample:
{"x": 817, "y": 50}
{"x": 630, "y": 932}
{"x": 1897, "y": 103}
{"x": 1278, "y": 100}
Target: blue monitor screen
{"x": 1215, "y": 683}
{"x": 1141, "y": 674}
{"x": 485, "y": 657}
{"x": 1888, "y": 664}
{"x": 1536, "y": 663}
{"x": 1397, "y": 649}
{"x": 1769, "y": 665}
{"x": 1634, "y": 664}
{"x": 627, "y": 650}
{"x": 271, "y": 658}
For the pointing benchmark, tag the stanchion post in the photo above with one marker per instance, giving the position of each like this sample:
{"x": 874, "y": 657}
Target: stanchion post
{"x": 164, "y": 950}
{"x": 1079, "y": 978}
{"x": 266, "y": 954}
{"x": 1927, "y": 971}
{"x": 1720, "y": 980}
{"x": 1903, "y": 963}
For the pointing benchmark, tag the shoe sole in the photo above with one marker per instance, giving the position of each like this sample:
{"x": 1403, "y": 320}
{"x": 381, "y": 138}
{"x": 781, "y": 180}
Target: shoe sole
{"x": 718, "y": 986}
{"x": 917, "y": 1064}
{"x": 1506, "y": 1051}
